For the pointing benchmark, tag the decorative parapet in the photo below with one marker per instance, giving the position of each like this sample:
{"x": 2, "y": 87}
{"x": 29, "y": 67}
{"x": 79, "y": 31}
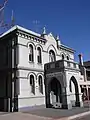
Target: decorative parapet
{"x": 61, "y": 65}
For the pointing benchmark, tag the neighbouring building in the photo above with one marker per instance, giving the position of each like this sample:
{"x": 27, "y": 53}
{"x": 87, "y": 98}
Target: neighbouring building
{"x": 85, "y": 86}
{"x": 23, "y": 55}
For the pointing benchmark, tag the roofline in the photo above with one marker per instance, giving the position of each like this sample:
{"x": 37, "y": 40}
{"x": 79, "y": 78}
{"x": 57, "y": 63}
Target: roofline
{"x": 68, "y": 48}
{"x": 17, "y": 27}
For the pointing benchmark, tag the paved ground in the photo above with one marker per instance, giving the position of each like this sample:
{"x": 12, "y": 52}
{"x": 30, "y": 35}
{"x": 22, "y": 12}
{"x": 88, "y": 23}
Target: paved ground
{"x": 56, "y": 113}
{"x": 83, "y": 118}
{"x": 41, "y": 113}
{"x": 21, "y": 116}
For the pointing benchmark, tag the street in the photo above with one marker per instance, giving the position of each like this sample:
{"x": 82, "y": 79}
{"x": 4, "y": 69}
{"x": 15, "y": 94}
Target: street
{"x": 83, "y": 118}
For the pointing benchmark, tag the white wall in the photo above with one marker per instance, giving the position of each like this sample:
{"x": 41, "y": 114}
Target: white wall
{"x": 26, "y": 98}
{"x": 71, "y": 95}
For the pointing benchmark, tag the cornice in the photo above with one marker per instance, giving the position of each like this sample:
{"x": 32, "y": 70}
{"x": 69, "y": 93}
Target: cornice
{"x": 31, "y": 37}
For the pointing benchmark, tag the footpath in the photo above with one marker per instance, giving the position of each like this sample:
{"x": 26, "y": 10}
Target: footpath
{"x": 41, "y": 113}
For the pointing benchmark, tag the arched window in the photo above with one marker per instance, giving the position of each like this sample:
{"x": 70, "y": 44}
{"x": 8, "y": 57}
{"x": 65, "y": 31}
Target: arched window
{"x": 62, "y": 57}
{"x": 68, "y": 62}
{"x": 39, "y": 58}
{"x": 31, "y": 53}
{"x": 40, "y": 82}
{"x": 32, "y": 84}
{"x": 52, "y": 57}
{"x": 67, "y": 58}
{"x": 70, "y": 86}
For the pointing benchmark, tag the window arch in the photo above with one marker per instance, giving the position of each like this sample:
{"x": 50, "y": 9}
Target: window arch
{"x": 40, "y": 83}
{"x": 67, "y": 57}
{"x": 31, "y": 59}
{"x": 62, "y": 57}
{"x": 32, "y": 84}
{"x": 52, "y": 57}
{"x": 39, "y": 58}
{"x": 68, "y": 62}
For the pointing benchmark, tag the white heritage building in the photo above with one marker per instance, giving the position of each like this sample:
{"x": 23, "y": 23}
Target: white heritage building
{"x": 25, "y": 53}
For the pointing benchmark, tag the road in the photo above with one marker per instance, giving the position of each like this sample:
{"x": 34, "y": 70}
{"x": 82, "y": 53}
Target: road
{"x": 83, "y": 118}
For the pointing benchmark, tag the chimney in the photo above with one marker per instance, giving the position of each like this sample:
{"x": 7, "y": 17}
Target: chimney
{"x": 80, "y": 59}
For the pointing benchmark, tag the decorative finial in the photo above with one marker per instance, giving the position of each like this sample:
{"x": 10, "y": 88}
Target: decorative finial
{"x": 57, "y": 37}
{"x": 12, "y": 19}
{"x": 44, "y": 31}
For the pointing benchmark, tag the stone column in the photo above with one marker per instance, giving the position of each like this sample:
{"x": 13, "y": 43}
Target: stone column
{"x": 79, "y": 103}
{"x": 65, "y": 99}
{"x": 47, "y": 94}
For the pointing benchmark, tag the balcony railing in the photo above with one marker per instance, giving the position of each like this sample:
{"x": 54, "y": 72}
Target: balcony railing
{"x": 62, "y": 64}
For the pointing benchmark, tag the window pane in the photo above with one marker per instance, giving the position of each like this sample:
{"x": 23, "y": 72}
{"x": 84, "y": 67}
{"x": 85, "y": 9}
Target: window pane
{"x": 62, "y": 57}
{"x": 39, "y": 55}
{"x": 31, "y": 53}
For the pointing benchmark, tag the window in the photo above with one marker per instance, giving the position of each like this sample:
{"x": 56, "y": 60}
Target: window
{"x": 68, "y": 63}
{"x": 67, "y": 58}
{"x": 52, "y": 56}
{"x": 39, "y": 59}
{"x": 32, "y": 84}
{"x": 40, "y": 84}
{"x": 31, "y": 53}
{"x": 70, "y": 86}
{"x": 62, "y": 57}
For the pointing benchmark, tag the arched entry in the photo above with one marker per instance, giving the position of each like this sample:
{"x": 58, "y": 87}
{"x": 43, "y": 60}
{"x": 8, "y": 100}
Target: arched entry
{"x": 74, "y": 92}
{"x": 55, "y": 92}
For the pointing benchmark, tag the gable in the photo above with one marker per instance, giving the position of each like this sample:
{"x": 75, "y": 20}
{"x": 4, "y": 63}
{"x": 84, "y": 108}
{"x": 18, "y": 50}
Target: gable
{"x": 51, "y": 37}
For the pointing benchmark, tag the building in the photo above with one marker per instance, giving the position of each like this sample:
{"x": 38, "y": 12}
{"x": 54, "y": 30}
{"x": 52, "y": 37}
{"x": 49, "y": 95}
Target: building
{"x": 24, "y": 54}
{"x": 62, "y": 84}
{"x": 86, "y": 85}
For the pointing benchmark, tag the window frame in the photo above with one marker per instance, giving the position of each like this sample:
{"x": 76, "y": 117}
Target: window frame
{"x": 31, "y": 53}
{"x": 39, "y": 55}
{"x": 32, "y": 84}
{"x": 40, "y": 83}
{"x": 52, "y": 56}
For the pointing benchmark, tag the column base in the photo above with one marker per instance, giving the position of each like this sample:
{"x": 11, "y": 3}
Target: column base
{"x": 48, "y": 106}
{"x": 79, "y": 104}
{"x": 68, "y": 106}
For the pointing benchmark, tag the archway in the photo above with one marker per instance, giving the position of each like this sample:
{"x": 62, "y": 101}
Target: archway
{"x": 55, "y": 92}
{"x": 75, "y": 92}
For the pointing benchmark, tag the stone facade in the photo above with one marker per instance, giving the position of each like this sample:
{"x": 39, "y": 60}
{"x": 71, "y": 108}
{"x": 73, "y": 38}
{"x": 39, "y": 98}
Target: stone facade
{"x": 27, "y": 52}
{"x": 67, "y": 77}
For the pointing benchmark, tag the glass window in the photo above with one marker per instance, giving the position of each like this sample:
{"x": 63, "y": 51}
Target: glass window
{"x": 52, "y": 57}
{"x": 31, "y": 53}
{"x": 62, "y": 57}
{"x": 67, "y": 58}
{"x": 40, "y": 82}
{"x": 39, "y": 59}
{"x": 32, "y": 84}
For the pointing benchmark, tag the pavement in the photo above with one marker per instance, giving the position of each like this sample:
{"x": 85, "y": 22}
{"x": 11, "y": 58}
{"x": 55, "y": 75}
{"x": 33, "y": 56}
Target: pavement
{"x": 57, "y": 113}
{"x": 24, "y": 116}
{"x": 83, "y": 118}
{"x": 41, "y": 113}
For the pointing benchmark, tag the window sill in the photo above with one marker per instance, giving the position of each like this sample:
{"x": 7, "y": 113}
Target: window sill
{"x": 39, "y": 63}
{"x": 31, "y": 62}
{"x": 32, "y": 94}
{"x": 41, "y": 94}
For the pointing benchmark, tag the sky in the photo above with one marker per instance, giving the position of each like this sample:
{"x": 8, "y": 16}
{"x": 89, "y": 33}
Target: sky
{"x": 70, "y": 19}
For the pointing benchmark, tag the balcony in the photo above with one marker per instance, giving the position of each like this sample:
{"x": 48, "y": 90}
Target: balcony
{"x": 61, "y": 65}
